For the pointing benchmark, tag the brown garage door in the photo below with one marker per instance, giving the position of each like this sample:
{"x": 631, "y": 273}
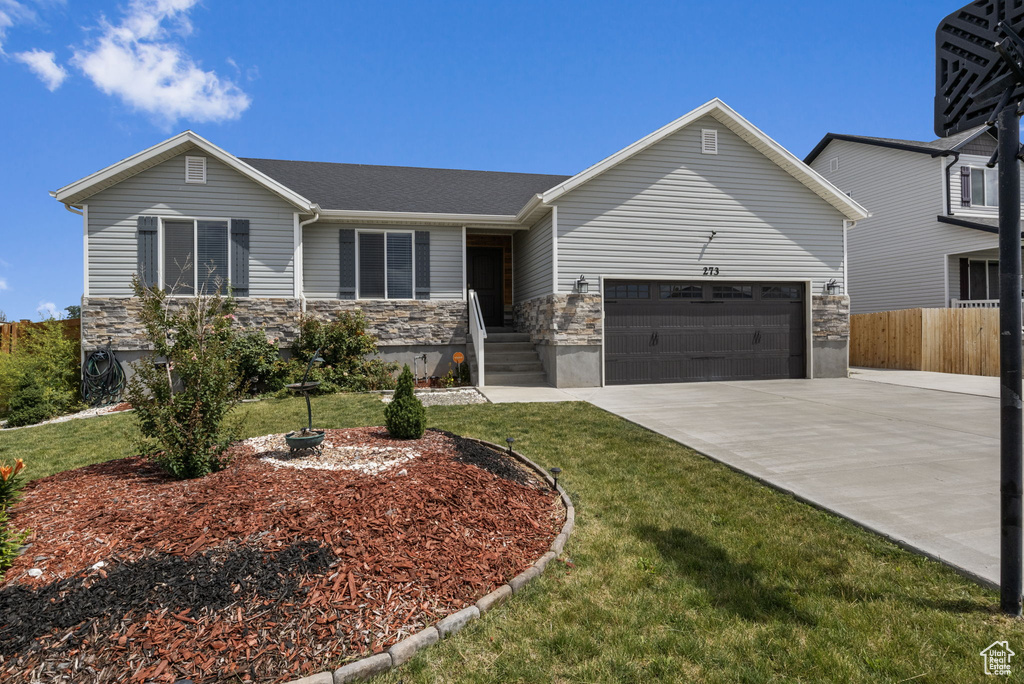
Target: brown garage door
{"x": 657, "y": 331}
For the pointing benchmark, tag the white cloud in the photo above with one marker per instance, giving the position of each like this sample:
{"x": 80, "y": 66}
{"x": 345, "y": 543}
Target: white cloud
{"x": 138, "y": 62}
{"x": 47, "y": 309}
{"x": 11, "y": 13}
{"x": 3, "y": 285}
{"x": 43, "y": 65}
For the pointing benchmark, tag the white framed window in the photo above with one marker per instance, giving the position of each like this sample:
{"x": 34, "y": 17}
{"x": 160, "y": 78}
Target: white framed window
{"x": 385, "y": 264}
{"x": 195, "y": 170}
{"x": 709, "y": 141}
{"x": 984, "y": 187}
{"x": 195, "y": 256}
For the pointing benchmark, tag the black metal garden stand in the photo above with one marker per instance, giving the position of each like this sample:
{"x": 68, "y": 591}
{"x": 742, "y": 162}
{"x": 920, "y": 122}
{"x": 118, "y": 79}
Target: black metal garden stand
{"x": 307, "y": 438}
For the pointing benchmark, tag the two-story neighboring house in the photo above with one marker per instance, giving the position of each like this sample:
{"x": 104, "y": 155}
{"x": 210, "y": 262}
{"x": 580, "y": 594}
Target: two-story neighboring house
{"x": 931, "y": 240}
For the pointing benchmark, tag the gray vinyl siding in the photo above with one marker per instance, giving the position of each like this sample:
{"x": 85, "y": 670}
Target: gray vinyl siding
{"x": 532, "y": 254}
{"x": 162, "y": 191}
{"x": 898, "y": 255}
{"x": 974, "y": 161}
{"x": 652, "y": 215}
{"x": 320, "y": 259}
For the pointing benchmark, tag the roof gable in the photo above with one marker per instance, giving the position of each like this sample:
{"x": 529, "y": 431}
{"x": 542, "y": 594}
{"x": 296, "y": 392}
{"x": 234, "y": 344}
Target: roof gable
{"x": 934, "y": 148}
{"x": 729, "y": 118}
{"x": 84, "y": 188}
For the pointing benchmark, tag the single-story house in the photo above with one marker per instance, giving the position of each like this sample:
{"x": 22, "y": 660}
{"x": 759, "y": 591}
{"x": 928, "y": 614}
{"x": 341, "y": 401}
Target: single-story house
{"x": 703, "y": 251}
{"x": 932, "y": 239}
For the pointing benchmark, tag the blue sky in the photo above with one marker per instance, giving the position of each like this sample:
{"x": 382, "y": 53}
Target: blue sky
{"x": 545, "y": 87}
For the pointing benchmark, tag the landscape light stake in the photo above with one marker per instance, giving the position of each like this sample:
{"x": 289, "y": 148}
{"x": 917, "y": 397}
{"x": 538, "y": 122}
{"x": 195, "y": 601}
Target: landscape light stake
{"x": 555, "y": 472}
{"x": 509, "y": 440}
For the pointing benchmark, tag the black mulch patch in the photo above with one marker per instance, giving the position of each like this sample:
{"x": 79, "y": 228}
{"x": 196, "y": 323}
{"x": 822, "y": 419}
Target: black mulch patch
{"x": 495, "y": 462}
{"x": 212, "y": 580}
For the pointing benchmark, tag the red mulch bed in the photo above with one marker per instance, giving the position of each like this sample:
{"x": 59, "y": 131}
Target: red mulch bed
{"x": 258, "y": 573}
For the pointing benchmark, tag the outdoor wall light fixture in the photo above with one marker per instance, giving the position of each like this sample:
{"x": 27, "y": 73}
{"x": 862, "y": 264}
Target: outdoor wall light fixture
{"x": 509, "y": 441}
{"x": 832, "y": 286}
{"x": 555, "y": 472}
{"x": 712, "y": 236}
{"x": 582, "y": 286}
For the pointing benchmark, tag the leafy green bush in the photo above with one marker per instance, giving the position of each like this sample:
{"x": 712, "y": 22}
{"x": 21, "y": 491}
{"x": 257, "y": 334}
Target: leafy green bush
{"x": 258, "y": 362}
{"x": 44, "y": 356}
{"x": 405, "y": 416}
{"x": 29, "y": 404}
{"x": 10, "y": 541}
{"x": 182, "y": 404}
{"x": 344, "y": 346}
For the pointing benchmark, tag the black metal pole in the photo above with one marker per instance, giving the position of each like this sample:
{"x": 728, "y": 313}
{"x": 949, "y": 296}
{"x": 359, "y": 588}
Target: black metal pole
{"x": 1010, "y": 366}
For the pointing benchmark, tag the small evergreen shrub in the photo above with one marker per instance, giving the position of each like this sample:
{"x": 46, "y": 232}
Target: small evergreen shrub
{"x": 405, "y": 416}
{"x": 182, "y": 403}
{"x": 29, "y": 404}
{"x": 259, "y": 365}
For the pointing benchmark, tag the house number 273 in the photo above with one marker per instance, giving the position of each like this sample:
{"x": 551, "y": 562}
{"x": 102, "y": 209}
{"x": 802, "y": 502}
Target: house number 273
{"x": 710, "y": 270}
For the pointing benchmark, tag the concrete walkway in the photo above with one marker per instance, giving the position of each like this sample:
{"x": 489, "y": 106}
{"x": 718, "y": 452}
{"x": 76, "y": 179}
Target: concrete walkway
{"x": 981, "y": 385}
{"x": 524, "y": 395}
{"x": 920, "y": 466}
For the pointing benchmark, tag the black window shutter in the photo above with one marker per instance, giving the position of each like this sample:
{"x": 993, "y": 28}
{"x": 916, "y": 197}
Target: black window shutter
{"x": 965, "y": 279}
{"x": 965, "y": 186}
{"x": 148, "y": 254}
{"x": 422, "y": 264}
{"x": 347, "y": 263}
{"x": 240, "y": 257}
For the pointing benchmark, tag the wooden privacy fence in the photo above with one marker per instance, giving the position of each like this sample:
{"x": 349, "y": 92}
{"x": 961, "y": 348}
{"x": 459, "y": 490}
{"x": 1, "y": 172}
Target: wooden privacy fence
{"x": 941, "y": 340}
{"x": 10, "y": 333}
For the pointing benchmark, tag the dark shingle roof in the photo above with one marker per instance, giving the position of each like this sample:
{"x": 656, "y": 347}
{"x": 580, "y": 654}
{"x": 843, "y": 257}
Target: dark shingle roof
{"x": 934, "y": 147}
{"x": 361, "y": 187}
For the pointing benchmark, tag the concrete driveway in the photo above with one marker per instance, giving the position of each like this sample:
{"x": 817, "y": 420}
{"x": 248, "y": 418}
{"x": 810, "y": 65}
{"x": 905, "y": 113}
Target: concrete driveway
{"x": 920, "y": 466}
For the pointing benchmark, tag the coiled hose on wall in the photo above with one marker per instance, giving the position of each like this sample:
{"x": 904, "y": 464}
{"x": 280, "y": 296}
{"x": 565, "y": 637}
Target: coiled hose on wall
{"x": 102, "y": 378}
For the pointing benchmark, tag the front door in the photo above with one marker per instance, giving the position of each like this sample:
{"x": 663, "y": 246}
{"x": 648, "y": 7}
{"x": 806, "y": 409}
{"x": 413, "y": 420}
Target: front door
{"x": 484, "y": 271}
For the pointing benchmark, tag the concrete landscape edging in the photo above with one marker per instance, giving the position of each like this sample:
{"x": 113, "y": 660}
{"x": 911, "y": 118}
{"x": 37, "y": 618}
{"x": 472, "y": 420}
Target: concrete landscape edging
{"x": 404, "y": 650}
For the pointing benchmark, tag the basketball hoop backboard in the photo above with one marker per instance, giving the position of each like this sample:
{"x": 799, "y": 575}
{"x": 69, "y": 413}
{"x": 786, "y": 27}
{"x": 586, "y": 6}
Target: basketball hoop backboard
{"x": 971, "y": 74}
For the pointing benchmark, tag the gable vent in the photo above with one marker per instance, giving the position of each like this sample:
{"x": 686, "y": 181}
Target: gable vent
{"x": 833, "y": 164}
{"x": 709, "y": 141}
{"x": 195, "y": 169}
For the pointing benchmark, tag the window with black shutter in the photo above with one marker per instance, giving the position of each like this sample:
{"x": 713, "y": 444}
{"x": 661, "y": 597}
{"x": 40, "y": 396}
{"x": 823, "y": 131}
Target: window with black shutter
{"x": 385, "y": 269}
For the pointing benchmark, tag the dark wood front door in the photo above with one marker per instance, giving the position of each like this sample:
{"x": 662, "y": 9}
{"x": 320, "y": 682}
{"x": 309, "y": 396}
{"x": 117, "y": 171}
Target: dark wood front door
{"x": 484, "y": 270}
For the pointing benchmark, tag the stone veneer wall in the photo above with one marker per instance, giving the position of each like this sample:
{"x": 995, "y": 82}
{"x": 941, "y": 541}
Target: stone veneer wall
{"x": 561, "y": 319}
{"x": 830, "y": 317}
{"x": 404, "y": 322}
{"x": 394, "y": 323}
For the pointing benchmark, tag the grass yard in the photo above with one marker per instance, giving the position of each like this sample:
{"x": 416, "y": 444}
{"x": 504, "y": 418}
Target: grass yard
{"x": 684, "y": 570}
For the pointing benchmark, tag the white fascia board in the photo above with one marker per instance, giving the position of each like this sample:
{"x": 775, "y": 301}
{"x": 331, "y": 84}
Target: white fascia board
{"x": 421, "y": 218}
{"x": 741, "y": 127}
{"x": 126, "y": 165}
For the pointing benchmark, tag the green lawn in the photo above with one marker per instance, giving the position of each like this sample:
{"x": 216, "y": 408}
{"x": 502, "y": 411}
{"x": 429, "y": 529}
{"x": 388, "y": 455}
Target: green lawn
{"x": 684, "y": 569}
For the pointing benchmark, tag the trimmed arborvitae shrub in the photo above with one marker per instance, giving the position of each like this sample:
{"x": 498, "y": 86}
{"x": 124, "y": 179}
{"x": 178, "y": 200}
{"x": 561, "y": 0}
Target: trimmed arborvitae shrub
{"x": 29, "y": 404}
{"x": 405, "y": 415}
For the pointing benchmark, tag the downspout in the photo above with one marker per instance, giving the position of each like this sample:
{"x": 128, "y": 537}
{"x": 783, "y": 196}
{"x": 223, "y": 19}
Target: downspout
{"x": 72, "y": 209}
{"x": 315, "y": 208}
{"x": 949, "y": 198}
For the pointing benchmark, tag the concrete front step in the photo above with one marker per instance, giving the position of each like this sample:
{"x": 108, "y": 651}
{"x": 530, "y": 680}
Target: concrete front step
{"x": 534, "y": 379}
{"x": 504, "y": 347}
{"x": 506, "y": 337}
{"x": 506, "y": 367}
{"x": 499, "y": 356}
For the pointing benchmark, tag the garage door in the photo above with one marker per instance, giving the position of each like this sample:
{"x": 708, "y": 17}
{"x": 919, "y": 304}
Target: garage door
{"x": 657, "y": 331}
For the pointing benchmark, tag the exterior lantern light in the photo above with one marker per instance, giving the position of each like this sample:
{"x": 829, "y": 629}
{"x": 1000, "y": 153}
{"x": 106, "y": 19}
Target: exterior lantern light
{"x": 509, "y": 441}
{"x": 555, "y": 472}
{"x": 582, "y": 286}
{"x": 833, "y": 287}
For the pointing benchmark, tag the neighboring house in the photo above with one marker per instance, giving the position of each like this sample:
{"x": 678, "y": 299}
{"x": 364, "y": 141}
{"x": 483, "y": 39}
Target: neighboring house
{"x": 932, "y": 238}
{"x": 704, "y": 251}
